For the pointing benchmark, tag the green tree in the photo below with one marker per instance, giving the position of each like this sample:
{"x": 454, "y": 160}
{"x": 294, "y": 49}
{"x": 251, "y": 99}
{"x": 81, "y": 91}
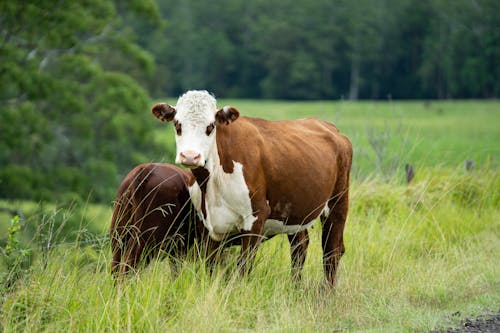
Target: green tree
{"x": 462, "y": 49}
{"x": 325, "y": 49}
{"x": 69, "y": 97}
{"x": 297, "y": 44}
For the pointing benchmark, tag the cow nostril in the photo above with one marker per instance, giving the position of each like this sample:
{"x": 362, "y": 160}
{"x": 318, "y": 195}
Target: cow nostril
{"x": 189, "y": 157}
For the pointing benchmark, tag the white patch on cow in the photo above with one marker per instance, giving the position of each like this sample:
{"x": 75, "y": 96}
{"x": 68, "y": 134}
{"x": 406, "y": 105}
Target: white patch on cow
{"x": 326, "y": 210}
{"x": 227, "y": 200}
{"x": 195, "y": 110}
{"x": 195, "y": 195}
{"x": 274, "y": 227}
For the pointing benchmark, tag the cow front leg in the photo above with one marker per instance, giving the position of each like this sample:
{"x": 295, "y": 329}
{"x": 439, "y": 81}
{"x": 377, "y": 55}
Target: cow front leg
{"x": 298, "y": 250}
{"x": 250, "y": 240}
{"x": 213, "y": 254}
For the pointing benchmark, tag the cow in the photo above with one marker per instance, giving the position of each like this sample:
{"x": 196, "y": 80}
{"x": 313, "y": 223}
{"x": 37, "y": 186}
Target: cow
{"x": 152, "y": 211}
{"x": 260, "y": 178}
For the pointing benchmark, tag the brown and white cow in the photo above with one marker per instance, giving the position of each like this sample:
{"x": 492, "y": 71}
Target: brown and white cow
{"x": 262, "y": 177}
{"x": 152, "y": 211}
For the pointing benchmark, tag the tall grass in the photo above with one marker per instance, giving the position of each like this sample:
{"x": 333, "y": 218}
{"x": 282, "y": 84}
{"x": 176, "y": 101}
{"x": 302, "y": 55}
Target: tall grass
{"x": 415, "y": 255}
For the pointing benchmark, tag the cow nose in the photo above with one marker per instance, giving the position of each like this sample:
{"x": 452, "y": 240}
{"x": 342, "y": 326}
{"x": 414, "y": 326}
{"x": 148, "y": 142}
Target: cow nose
{"x": 190, "y": 158}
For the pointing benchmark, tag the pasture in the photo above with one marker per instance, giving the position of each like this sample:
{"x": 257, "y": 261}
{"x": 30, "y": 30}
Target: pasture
{"x": 386, "y": 135}
{"x": 418, "y": 257}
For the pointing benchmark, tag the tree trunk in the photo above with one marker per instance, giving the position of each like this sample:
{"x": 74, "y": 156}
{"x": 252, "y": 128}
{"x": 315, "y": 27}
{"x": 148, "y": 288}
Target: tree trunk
{"x": 354, "y": 84}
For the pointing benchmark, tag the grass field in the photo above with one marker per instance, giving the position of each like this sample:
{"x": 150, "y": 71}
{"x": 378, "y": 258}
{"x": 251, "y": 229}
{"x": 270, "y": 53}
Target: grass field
{"x": 419, "y": 256}
{"x": 386, "y": 135}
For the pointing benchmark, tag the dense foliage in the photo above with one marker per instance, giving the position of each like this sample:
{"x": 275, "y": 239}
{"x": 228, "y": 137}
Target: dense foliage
{"x": 329, "y": 49}
{"x": 69, "y": 98}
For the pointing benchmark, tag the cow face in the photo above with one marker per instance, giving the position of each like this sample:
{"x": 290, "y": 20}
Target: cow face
{"x": 195, "y": 119}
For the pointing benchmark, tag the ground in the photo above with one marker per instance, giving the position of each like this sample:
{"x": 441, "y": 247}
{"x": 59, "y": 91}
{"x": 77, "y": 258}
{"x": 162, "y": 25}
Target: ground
{"x": 489, "y": 323}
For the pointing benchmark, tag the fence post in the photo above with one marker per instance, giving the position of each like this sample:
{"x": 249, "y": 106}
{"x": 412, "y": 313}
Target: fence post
{"x": 13, "y": 212}
{"x": 469, "y": 165}
{"x": 410, "y": 172}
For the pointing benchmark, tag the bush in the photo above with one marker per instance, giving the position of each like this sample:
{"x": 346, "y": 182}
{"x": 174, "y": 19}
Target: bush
{"x": 17, "y": 182}
{"x": 16, "y": 258}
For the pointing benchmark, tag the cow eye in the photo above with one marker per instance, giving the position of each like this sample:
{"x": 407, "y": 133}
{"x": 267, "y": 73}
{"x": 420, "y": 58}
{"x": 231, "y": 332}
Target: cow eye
{"x": 210, "y": 128}
{"x": 178, "y": 127}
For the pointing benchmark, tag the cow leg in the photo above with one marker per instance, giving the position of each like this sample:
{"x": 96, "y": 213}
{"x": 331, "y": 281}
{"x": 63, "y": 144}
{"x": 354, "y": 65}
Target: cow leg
{"x": 249, "y": 244}
{"x": 208, "y": 249}
{"x": 212, "y": 253}
{"x": 133, "y": 253}
{"x": 298, "y": 250}
{"x": 122, "y": 215}
{"x": 116, "y": 249}
{"x": 176, "y": 255}
{"x": 115, "y": 262}
{"x": 123, "y": 248}
{"x": 332, "y": 234}
{"x": 250, "y": 240}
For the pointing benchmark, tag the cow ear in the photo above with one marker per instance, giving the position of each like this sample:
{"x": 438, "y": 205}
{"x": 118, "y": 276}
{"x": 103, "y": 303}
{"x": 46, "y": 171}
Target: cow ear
{"x": 163, "y": 112}
{"x": 226, "y": 115}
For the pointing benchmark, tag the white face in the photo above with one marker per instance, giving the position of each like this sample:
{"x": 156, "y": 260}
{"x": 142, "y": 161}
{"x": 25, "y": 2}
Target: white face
{"x": 194, "y": 123}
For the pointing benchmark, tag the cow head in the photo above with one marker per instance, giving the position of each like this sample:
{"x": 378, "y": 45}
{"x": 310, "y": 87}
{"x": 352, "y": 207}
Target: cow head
{"x": 196, "y": 119}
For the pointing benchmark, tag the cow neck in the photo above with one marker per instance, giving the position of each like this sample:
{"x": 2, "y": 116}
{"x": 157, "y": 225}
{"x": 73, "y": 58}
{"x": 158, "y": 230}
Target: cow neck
{"x": 212, "y": 168}
{"x": 201, "y": 176}
{"x": 223, "y": 163}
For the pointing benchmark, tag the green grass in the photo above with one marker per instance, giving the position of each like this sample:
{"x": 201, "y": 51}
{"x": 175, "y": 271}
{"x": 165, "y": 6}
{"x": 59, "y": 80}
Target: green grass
{"x": 67, "y": 220}
{"x": 425, "y": 134}
{"x": 416, "y": 254}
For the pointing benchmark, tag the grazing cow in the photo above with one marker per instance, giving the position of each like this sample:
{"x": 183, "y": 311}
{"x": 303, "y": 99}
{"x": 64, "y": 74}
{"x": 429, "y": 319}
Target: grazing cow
{"x": 260, "y": 178}
{"x": 152, "y": 212}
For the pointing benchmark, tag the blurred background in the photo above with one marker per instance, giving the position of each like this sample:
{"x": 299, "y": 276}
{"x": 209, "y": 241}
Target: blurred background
{"x": 77, "y": 78}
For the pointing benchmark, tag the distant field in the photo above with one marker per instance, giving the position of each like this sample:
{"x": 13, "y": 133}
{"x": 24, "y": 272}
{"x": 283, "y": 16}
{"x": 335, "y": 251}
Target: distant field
{"x": 386, "y": 135}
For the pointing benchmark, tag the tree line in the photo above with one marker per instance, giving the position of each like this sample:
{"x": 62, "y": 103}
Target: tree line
{"x": 76, "y": 77}
{"x": 324, "y": 49}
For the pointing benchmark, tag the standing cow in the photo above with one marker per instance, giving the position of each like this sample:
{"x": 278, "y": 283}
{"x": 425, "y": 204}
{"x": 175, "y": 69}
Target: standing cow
{"x": 152, "y": 211}
{"x": 262, "y": 177}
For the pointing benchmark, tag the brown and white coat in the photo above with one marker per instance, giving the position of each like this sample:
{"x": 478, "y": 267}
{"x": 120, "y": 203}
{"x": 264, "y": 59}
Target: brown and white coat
{"x": 261, "y": 178}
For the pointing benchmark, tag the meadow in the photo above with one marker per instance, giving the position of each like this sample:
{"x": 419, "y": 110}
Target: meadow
{"x": 386, "y": 135}
{"x": 420, "y": 256}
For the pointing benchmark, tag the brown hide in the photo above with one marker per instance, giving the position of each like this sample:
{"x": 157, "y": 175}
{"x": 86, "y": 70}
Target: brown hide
{"x": 293, "y": 164}
{"x": 292, "y": 169}
{"x": 152, "y": 211}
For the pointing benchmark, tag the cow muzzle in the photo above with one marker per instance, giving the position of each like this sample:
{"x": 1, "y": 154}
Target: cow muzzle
{"x": 190, "y": 158}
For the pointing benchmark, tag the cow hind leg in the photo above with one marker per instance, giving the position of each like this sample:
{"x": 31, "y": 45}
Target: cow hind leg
{"x": 333, "y": 234}
{"x": 298, "y": 250}
{"x": 115, "y": 262}
{"x": 120, "y": 247}
{"x": 133, "y": 253}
